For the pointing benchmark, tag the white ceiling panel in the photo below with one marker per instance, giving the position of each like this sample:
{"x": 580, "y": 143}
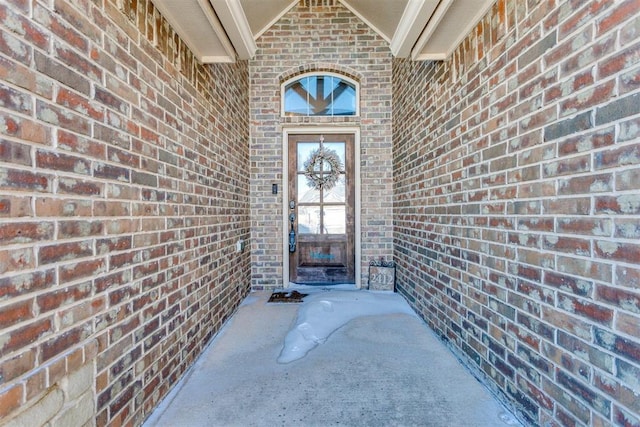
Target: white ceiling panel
{"x": 226, "y": 30}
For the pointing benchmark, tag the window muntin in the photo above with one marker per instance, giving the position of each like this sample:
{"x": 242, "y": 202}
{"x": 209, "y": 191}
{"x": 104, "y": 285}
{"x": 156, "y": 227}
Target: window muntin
{"x": 320, "y": 95}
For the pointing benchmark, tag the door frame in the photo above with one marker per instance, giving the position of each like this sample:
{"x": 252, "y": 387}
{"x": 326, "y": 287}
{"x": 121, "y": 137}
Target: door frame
{"x": 326, "y": 130}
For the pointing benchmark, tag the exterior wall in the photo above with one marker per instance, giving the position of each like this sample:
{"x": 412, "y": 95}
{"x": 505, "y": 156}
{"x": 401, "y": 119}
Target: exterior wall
{"x": 123, "y": 190}
{"x": 517, "y": 214}
{"x": 325, "y": 37}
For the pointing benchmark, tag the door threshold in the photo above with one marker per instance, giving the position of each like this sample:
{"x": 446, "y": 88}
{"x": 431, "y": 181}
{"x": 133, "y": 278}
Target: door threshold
{"x": 340, "y": 286}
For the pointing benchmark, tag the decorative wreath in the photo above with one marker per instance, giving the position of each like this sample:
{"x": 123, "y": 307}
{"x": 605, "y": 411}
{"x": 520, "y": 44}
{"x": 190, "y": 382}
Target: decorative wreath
{"x": 314, "y": 166}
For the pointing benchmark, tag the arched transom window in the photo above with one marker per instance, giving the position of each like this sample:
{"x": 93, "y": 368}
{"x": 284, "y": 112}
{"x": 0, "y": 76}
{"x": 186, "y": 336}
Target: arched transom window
{"x": 323, "y": 94}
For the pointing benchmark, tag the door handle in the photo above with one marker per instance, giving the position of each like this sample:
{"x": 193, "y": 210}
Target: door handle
{"x": 292, "y": 233}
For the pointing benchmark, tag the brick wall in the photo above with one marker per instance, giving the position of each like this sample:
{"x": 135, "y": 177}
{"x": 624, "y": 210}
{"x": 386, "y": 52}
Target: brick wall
{"x": 123, "y": 190}
{"x": 319, "y": 36}
{"x": 517, "y": 211}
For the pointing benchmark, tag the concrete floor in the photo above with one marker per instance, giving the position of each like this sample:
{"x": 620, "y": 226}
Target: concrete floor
{"x": 378, "y": 370}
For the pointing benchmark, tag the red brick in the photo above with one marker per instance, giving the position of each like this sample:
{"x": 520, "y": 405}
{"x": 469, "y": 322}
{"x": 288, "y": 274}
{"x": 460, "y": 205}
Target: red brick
{"x": 567, "y": 244}
{"x": 568, "y": 206}
{"x": 74, "y": 358}
{"x": 114, "y": 208}
{"x": 536, "y": 224}
{"x": 123, "y": 293}
{"x": 627, "y": 228}
{"x": 625, "y": 418}
{"x": 81, "y": 312}
{"x": 629, "y": 132}
{"x": 15, "y": 207}
{"x": 63, "y": 296}
{"x": 566, "y": 283}
{"x": 627, "y": 155}
{"x": 594, "y": 399}
{"x": 627, "y": 276}
{"x": 108, "y": 99}
{"x": 592, "y": 311}
{"x": 61, "y": 73}
{"x": 629, "y": 81}
{"x": 11, "y": 399}
{"x": 567, "y": 361}
{"x": 24, "y": 129}
{"x": 20, "y": 338}
{"x": 620, "y": 297}
{"x": 17, "y": 366}
{"x": 75, "y": 143}
{"x": 123, "y": 157}
{"x": 621, "y": 392}
{"x": 628, "y": 180}
{"x": 57, "y": 116}
{"x": 622, "y": 346}
{"x": 21, "y": 76}
{"x": 620, "y": 61}
{"x": 16, "y": 313}
{"x": 60, "y": 28}
{"x": 64, "y": 251}
{"x": 566, "y": 322}
{"x": 13, "y": 152}
{"x": 63, "y": 342}
{"x": 71, "y": 229}
{"x": 122, "y": 55}
{"x": 15, "y": 100}
{"x": 15, "y": 48}
{"x": 625, "y": 204}
{"x": 20, "y": 5}
{"x": 105, "y": 171}
{"x": 588, "y": 98}
{"x": 79, "y": 104}
{"x": 49, "y": 207}
{"x": 24, "y": 27}
{"x": 627, "y": 323}
{"x": 80, "y": 270}
{"x": 79, "y": 19}
{"x": 62, "y": 162}
{"x": 617, "y": 15}
{"x": 585, "y": 226}
{"x": 567, "y": 166}
{"x": 591, "y": 54}
{"x": 79, "y": 187}
{"x": 17, "y": 285}
{"x": 123, "y": 400}
{"x": 25, "y": 232}
{"x": 625, "y": 252}
{"x": 15, "y": 260}
{"x": 19, "y": 179}
{"x": 586, "y": 351}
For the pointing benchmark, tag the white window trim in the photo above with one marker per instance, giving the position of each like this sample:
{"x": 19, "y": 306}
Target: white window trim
{"x": 355, "y": 84}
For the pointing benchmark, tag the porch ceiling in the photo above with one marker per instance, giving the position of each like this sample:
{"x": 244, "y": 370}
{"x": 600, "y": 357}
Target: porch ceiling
{"x": 223, "y": 30}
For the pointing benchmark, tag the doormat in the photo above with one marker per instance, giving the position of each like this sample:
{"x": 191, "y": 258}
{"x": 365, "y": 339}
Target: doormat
{"x": 293, "y": 296}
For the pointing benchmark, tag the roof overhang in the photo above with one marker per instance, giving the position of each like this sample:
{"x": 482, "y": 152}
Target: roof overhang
{"x": 227, "y": 30}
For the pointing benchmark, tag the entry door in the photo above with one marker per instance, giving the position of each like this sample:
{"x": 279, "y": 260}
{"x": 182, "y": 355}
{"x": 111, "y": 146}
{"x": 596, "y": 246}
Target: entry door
{"x": 321, "y": 219}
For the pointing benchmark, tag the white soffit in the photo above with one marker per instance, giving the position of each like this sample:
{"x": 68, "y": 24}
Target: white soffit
{"x": 382, "y": 16}
{"x": 198, "y": 26}
{"x": 223, "y": 30}
{"x": 262, "y": 14}
{"x": 450, "y": 23}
